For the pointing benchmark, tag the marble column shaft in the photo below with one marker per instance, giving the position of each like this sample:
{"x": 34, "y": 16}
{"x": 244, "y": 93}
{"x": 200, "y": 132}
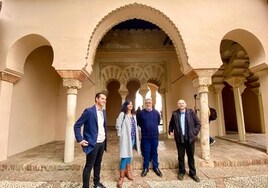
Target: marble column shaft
{"x": 236, "y": 82}
{"x": 204, "y": 132}
{"x": 72, "y": 86}
{"x": 219, "y": 107}
{"x": 202, "y": 80}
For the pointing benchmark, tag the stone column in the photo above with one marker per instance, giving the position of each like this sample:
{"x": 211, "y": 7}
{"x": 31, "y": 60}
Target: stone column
{"x": 72, "y": 86}
{"x": 123, "y": 92}
{"x": 7, "y": 81}
{"x": 236, "y": 82}
{"x": 163, "y": 112}
{"x": 258, "y": 93}
{"x": 263, "y": 78}
{"x": 202, "y": 80}
{"x": 219, "y": 107}
{"x": 204, "y": 132}
{"x": 153, "y": 94}
{"x": 143, "y": 91}
{"x": 72, "y": 80}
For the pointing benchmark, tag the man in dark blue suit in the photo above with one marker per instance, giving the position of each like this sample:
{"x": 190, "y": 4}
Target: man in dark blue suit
{"x": 93, "y": 140}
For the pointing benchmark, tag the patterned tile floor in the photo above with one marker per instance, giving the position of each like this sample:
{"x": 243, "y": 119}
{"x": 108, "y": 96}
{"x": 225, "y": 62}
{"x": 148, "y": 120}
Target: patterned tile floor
{"x": 231, "y": 165}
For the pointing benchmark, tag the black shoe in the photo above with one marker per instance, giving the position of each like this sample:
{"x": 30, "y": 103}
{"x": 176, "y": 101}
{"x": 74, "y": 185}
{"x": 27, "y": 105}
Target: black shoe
{"x": 181, "y": 175}
{"x": 144, "y": 172}
{"x": 158, "y": 172}
{"x": 195, "y": 178}
{"x": 213, "y": 142}
{"x": 99, "y": 185}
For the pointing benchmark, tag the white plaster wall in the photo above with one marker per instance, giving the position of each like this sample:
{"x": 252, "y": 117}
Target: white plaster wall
{"x": 180, "y": 87}
{"x": 68, "y": 25}
{"x": 61, "y": 110}
{"x": 6, "y": 90}
{"x": 33, "y": 113}
{"x": 85, "y": 99}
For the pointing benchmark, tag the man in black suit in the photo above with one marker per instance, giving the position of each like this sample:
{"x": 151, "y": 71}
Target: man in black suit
{"x": 185, "y": 126}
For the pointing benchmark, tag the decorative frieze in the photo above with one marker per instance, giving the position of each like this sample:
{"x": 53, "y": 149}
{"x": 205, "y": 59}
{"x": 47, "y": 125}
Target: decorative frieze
{"x": 124, "y": 72}
{"x": 9, "y": 77}
{"x": 72, "y": 74}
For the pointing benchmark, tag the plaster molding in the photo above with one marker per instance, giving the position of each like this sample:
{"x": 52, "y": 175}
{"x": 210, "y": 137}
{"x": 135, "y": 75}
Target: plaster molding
{"x": 72, "y": 74}
{"x": 125, "y": 72}
{"x": 201, "y": 76}
{"x": 9, "y": 76}
{"x": 132, "y": 11}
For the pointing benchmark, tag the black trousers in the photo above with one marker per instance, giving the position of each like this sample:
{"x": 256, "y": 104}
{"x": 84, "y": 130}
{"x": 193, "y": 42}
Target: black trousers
{"x": 93, "y": 160}
{"x": 189, "y": 148}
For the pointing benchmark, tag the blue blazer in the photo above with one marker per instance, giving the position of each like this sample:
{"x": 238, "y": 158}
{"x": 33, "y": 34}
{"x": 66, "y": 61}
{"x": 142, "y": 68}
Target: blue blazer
{"x": 90, "y": 131}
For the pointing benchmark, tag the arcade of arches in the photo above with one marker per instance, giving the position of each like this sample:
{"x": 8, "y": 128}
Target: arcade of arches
{"x": 129, "y": 48}
{"x": 124, "y": 80}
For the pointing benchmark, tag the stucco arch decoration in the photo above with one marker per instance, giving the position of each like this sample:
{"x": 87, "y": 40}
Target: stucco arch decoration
{"x": 143, "y": 72}
{"x": 20, "y": 50}
{"x": 156, "y": 73}
{"x": 252, "y": 45}
{"x": 138, "y": 11}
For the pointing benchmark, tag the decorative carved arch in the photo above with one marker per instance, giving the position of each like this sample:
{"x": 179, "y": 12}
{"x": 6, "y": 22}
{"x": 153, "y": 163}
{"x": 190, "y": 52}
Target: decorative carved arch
{"x": 142, "y": 72}
{"x": 139, "y": 11}
{"x": 111, "y": 72}
{"x": 155, "y": 72}
{"x": 133, "y": 72}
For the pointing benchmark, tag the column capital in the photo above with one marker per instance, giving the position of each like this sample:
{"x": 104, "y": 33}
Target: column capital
{"x": 235, "y": 81}
{"x": 143, "y": 90}
{"x": 72, "y": 74}
{"x": 123, "y": 92}
{"x": 72, "y": 85}
{"x": 195, "y": 73}
{"x": 11, "y": 77}
{"x": 218, "y": 87}
{"x": 201, "y": 78}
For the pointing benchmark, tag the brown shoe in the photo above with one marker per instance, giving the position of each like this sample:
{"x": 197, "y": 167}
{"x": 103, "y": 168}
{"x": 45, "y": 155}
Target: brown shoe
{"x": 128, "y": 173}
{"x": 121, "y": 178}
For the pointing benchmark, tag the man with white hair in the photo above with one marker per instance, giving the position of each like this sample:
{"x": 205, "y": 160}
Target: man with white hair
{"x": 148, "y": 120}
{"x": 185, "y": 126}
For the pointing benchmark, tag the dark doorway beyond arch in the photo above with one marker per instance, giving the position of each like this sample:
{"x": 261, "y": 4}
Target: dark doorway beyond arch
{"x": 251, "y": 111}
{"x": 229, "y": 108}
{"x": 113, "y": 103}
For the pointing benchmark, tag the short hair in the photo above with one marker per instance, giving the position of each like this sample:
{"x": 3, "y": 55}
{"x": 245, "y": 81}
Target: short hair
{"x": 99, "y": 93}
{"x": 124, "y": 107}
{"x": 148, "y": 99}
